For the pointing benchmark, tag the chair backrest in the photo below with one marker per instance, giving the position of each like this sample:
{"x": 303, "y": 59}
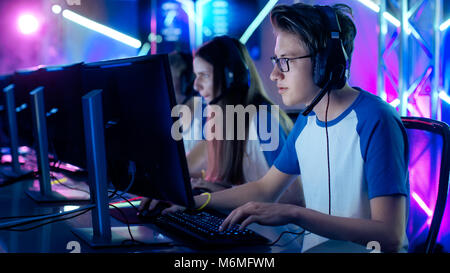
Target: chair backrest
{"x": 429, "y": 165}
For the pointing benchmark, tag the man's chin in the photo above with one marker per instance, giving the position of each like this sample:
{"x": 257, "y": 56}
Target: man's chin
{"x": 287, "y": 102}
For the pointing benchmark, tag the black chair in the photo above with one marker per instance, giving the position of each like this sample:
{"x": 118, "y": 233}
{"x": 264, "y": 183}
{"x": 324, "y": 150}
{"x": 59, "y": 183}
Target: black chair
{"x": 429, "y": 178}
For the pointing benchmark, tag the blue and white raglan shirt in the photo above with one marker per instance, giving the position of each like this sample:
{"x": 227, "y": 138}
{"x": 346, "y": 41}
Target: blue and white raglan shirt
{"x": 368, "y": 148}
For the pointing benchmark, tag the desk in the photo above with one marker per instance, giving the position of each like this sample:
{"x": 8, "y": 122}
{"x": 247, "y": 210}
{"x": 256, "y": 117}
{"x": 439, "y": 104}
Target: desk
{"x": 55, "y": 237}
{"x": 58, "y": 237}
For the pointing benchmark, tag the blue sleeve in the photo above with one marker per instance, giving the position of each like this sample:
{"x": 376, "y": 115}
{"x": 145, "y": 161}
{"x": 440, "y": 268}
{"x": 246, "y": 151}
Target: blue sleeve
{"x": 384, "y": 147}
{"x": 287, "y": 160}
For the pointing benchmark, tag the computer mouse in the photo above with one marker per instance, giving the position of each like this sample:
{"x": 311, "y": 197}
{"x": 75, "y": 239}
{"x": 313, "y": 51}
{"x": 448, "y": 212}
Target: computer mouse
{"x": 152, "y": 214}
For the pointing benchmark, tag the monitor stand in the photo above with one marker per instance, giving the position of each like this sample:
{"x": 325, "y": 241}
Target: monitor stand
{"x": 44, "y": 193}
{"x": 102, "y": 234}
{"x": 12, "y": 126}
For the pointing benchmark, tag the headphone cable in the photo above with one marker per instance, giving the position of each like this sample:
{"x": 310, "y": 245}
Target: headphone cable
{"x": 328, "y": 154}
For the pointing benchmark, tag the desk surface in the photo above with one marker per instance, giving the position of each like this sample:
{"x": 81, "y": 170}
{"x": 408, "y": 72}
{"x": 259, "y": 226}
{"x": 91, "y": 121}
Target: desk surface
{"x": 58, "y": 237}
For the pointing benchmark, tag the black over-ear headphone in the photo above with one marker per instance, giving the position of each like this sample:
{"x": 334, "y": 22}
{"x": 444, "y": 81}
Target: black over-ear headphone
{"x": 330, "y": 65}
{"x": 236, "y": 72}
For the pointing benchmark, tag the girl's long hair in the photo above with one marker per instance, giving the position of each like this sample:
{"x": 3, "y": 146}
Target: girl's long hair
{"x": 225, "y": 157}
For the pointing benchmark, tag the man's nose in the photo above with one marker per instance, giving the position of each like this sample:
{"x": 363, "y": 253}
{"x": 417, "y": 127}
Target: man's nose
{"x": 276, "y": 74}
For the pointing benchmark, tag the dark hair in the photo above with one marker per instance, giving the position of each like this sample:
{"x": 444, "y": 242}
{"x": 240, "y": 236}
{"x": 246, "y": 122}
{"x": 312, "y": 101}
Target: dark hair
{"x": 229, "y": 154}
{"x": 182, "y": 73}
{"x": 306, "y": 22}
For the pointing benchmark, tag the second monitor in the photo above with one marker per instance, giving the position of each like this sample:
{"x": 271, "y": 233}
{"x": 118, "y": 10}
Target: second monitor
{"x": 142, "y": 157}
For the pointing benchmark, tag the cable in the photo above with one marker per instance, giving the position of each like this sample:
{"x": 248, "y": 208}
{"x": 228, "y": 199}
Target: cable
{"x": 46, "y": 223}
{"x": 132, "y": 171}
{"x": 286, "y": 232}
{"x": 11, "y": 180}
{"x": 126, "y": 221}
{"x": 33, "y": 219}
{"x": 24, "y": 216}
{"x": 328, "y": 155}
{"x": 126, "y": 200}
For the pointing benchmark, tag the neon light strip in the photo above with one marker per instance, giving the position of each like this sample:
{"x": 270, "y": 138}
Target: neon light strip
{"x": 259, "y": 18}
{"x": 144, "y": 49}
{"x": 445, "y": 25}
{"x": 395, "y": 103}
{"x": 199, "y": 23}
{"x": 391, "y": 19}
{"x": 422, "y": 204}
{"x": 114, "y": 34}
{"x": 371, "y": 5}
{"x": 444, "y": 97}
{"x": 124, "y": 204}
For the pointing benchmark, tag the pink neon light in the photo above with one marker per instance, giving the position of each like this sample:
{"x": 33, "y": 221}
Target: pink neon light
{"x": 68, "y": 167}
{"x": 8, "y": 159}
{"x": 129, "y": 200}
{"x": 28, "y": 24}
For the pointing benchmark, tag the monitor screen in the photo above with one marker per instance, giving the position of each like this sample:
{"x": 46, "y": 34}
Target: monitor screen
{"x": 142, "y": 156}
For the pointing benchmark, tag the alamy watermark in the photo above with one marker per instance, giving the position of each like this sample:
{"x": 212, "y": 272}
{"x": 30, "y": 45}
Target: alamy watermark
{"x": 266, "y": 130}
{"x": 73, "y": 2}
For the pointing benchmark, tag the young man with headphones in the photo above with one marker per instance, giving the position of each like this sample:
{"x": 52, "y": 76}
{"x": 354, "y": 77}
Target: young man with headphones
{"x": 349, "y": 147}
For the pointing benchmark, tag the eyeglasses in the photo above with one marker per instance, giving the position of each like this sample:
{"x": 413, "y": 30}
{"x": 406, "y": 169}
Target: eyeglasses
{"x": 283, "y": 63}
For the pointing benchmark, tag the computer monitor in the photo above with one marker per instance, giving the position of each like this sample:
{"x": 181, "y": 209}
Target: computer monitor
{"x": 142, "y": 156}
{"x": 24, "y": 82}
{"x": 62, "y": 98}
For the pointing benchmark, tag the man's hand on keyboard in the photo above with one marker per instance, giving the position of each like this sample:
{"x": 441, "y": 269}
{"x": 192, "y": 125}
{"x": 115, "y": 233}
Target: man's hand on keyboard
{"x": 271, "y": 214}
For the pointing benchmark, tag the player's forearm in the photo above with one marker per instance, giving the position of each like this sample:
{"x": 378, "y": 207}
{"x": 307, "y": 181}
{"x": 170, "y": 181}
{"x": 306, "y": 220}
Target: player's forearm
{"x": 356, "y": 230}
{"x": 232, "y": 198}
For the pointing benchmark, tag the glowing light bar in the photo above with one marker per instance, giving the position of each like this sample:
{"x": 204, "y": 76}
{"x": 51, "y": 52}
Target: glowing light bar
{"x": 395, "y": 103}
{"x": 259, "y": 18}
{"x": 70, "y": 208}
{"x": 422, "y": 204}
{"x": 371, "y": 5}
{"x": 444, "y": 25}
{"x": 114, "y": 34}
{"x": 444, "y": 96}
{"x": 145, "y": 49}
{"x": 391, "y": 19}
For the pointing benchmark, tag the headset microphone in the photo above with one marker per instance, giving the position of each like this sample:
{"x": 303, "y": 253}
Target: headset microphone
{"x": 316, "y": 100}
{"x": 330, "y": 84}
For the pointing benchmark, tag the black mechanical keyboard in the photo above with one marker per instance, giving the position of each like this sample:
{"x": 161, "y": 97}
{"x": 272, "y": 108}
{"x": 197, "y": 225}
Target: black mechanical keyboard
{"x": 203, "y": 228}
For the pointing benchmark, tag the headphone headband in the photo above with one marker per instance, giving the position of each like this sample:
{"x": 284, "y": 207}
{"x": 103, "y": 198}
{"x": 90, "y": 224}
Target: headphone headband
{"x": 332, "y": 62}
{"x": 331, "y": 66}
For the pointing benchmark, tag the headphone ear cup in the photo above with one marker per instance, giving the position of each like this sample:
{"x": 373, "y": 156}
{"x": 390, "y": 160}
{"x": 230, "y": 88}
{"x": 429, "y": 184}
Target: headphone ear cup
{"x": 319, "y": 69}
{"x": 229, "y": 78}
